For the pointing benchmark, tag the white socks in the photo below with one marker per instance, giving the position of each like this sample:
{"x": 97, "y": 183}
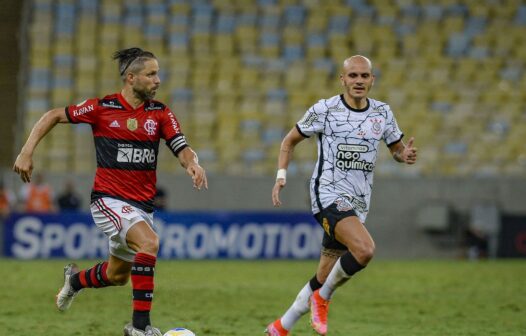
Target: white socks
{"x": 298, "y": 308}
{"x": 336, "y": 278}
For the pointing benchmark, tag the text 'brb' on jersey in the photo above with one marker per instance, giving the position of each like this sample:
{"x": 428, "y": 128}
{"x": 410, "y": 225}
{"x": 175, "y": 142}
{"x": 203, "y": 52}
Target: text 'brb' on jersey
{"x": 127, "y": 145}
{"x": 348, "y": 142}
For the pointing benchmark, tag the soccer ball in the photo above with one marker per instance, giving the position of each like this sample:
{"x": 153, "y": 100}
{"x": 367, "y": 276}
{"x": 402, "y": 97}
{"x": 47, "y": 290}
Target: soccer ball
{"x": 179, "y": 332}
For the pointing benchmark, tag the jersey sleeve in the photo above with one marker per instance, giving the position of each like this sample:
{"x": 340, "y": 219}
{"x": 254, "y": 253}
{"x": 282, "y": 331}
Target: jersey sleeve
{"x": 171, "y": 132}
{"x": 392, "y": 133}
{"x": 313, "y": 120}
{"x": 84, "y": 112}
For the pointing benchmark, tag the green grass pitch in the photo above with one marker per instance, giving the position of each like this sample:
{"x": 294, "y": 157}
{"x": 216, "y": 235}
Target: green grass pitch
{"x": 228, "y": 298}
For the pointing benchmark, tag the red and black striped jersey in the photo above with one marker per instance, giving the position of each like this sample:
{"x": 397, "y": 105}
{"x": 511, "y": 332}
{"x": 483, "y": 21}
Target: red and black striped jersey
{"x": 127, "y": 145}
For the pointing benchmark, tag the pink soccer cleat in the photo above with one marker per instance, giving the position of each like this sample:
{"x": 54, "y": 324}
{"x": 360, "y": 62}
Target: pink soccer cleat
{"x": 319, "y": 309}
{"x": 276, "y": 329}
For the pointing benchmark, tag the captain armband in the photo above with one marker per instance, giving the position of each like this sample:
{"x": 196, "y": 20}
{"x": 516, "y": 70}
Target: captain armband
{"x": 177, "y": 144}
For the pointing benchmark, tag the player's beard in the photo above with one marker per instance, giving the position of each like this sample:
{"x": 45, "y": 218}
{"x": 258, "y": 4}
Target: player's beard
{"x": 145, "y": 94}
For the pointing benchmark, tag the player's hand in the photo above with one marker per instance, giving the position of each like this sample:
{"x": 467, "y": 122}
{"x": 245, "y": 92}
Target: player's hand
{"x": 409, "y": 152}
{"x": 280, "y": 183}
{"x": 24, "y": 166}
{"x": 198, "y": 176}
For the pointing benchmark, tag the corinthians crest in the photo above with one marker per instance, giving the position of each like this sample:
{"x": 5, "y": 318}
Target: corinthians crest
{"x": 376, "y": 126}
{"x": 132, "y": 124}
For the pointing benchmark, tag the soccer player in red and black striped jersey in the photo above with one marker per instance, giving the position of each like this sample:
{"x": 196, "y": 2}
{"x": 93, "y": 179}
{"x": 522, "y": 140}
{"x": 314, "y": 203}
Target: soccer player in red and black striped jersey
{"x": 127, "y": 128}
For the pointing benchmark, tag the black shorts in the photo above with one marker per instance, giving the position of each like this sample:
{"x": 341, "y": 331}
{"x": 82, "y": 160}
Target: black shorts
{"x": 328, "y": 218}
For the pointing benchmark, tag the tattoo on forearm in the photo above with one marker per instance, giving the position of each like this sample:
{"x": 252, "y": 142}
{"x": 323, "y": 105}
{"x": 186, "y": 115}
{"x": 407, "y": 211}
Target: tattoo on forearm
{"x": 331, "y": 253}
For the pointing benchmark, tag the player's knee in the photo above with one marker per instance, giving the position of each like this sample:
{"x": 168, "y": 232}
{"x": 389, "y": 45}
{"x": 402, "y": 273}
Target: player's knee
{"x": 119, "y": 279}
{"x": 364, "y": 253}
{"x": 150, "y": 246}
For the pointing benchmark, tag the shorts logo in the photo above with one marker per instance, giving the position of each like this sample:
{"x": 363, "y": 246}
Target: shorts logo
{"x": 132, "y": 124}
{"x": 325, "y": 224}
{"x": 126, "y": 209}
{"x": 343, "y": 204}
{"x": 150, "y": 126}
{"x": 358, "y": 204}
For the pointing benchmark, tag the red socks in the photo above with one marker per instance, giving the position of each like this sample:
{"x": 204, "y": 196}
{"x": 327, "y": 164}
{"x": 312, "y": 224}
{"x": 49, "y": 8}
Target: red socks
{"x": 142, "y": 282}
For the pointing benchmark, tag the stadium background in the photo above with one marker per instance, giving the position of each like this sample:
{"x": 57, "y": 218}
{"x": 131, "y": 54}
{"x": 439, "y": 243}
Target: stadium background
{"x": 239, "y": 74}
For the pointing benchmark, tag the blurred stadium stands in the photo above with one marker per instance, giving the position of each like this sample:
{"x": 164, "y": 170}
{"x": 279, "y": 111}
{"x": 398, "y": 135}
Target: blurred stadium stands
{"x": 239, "y": 74}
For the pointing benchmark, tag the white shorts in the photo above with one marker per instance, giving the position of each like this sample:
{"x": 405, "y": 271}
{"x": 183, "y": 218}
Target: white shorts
{"x": 115, "y": 218}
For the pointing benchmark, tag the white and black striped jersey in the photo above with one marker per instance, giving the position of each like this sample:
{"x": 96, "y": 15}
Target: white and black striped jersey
{"x": 348, "y": 142}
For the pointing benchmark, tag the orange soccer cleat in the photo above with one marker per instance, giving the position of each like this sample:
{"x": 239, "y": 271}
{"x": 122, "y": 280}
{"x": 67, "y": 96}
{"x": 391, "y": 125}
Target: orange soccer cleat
{"x": 319, "y": 309}
{"x": 276, "y": 329}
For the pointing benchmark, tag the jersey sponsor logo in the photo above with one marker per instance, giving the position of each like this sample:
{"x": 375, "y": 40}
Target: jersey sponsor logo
{"x": 308, "y": 120}
{"x": 376, "y": 126}
{"x": 335, "y": 108}
{"x": 83, "y": 110}
{"x": 113, "y": 103}
{"x": 353, "y": 148}
{"x": 115, "y": 123}
{"x": 150, "y": 126}
{"x": 348, "y": 158}
{"x": 154, "y": 106}
{"x": 132, "y": 124}
{"x": 174, "y": 122}
{"x": 126, "y": 153}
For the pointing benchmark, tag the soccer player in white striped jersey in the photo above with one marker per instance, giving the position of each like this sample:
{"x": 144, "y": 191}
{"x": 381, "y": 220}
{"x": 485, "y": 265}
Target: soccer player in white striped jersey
{"x": 349, "y": 128}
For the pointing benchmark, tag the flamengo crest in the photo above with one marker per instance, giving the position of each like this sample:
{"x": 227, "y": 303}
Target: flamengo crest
{"x": 150, "y": 126}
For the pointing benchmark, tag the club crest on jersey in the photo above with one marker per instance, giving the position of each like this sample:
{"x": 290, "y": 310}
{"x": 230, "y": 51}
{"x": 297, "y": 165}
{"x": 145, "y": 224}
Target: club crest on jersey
{"x": 132, "y": 124}
{"x": 150, "y": 126}
{"x": 376, "y": 126}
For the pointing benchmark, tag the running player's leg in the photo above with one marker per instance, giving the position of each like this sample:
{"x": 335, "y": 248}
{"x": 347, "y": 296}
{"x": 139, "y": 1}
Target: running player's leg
{"x": 353, "y": 234}
{"x": 103, "y": 274}
{"x": 144, "y": 241}
{"x": 300, "y": 306}
{"x": 114, "y": 272}
{"x": 346, "y": 232}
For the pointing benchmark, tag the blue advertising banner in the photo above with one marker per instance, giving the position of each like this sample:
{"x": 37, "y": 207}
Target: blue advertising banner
{"x": 185, "y": 235}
